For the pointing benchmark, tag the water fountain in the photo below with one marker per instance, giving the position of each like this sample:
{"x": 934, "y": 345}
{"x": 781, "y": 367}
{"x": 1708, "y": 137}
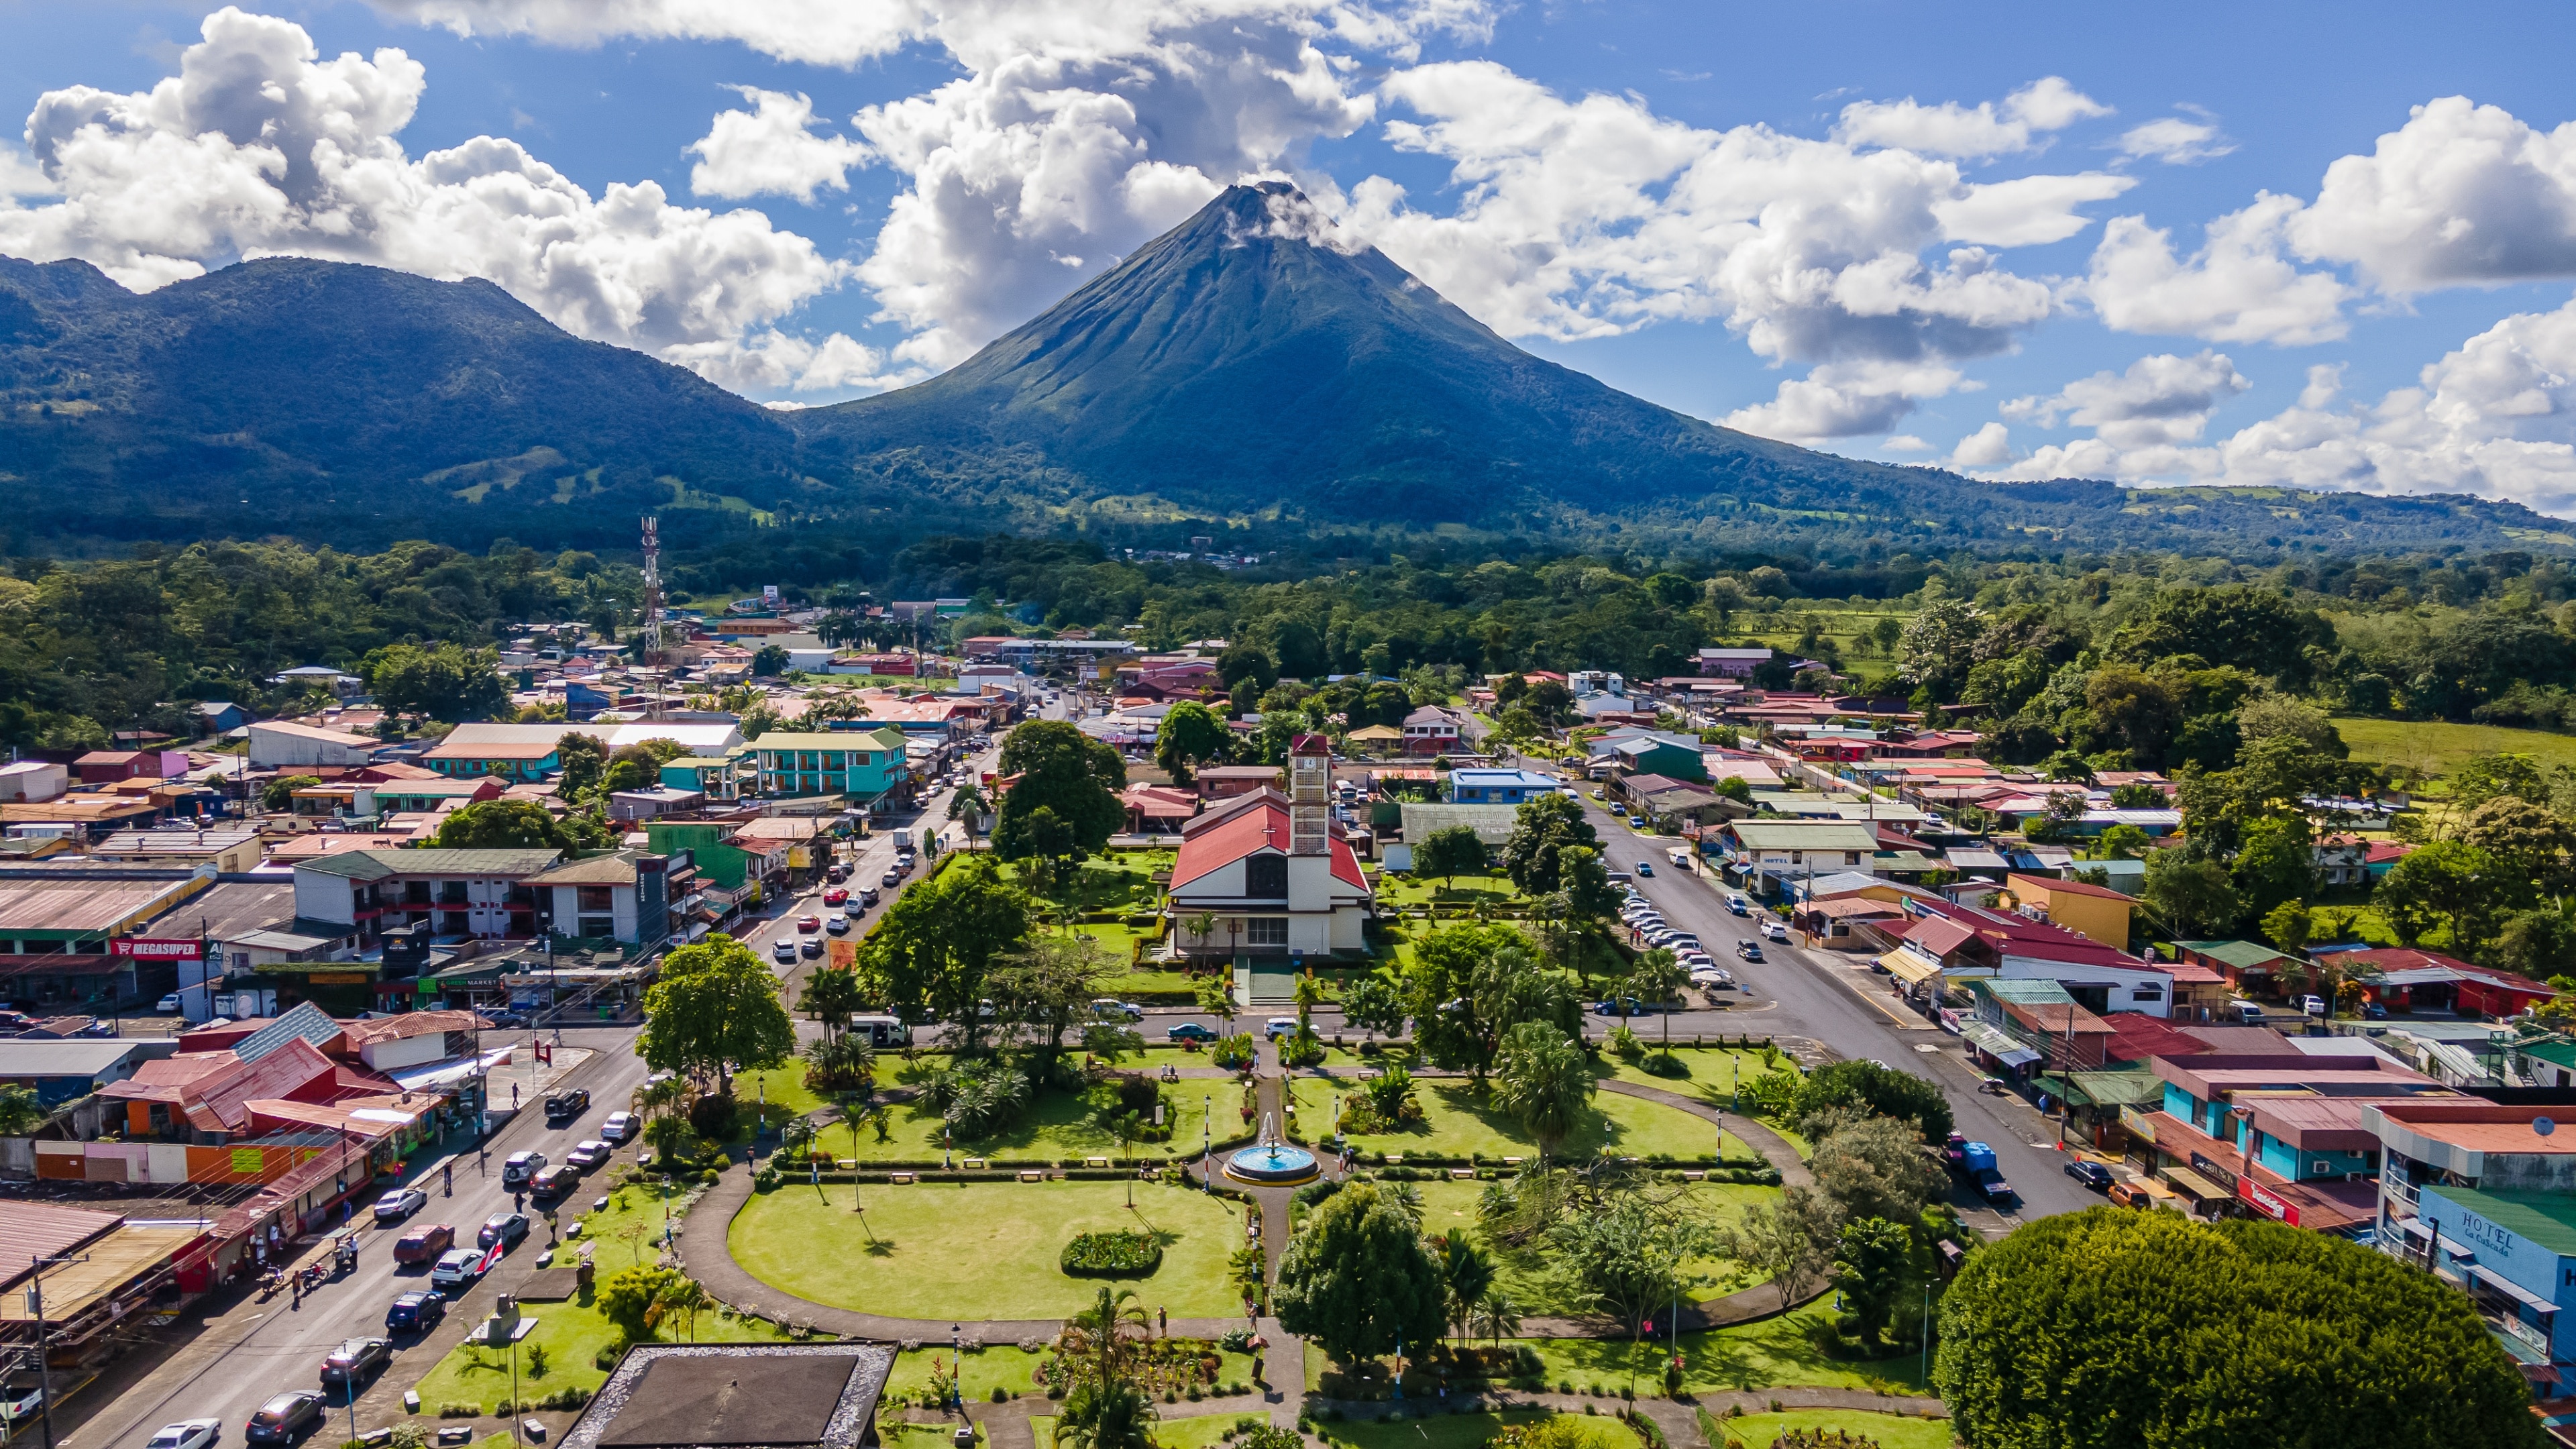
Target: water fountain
{"x": 1271, "y": 1162}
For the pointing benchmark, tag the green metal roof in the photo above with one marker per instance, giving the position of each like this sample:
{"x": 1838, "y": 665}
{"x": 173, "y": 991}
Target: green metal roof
{"x": 2546, "y": 1218}
{"x": 2108, "y": 1089}
{"x": 378, "y": 864}
{"x": 2243, "y": 955}
{"x": 2022, "y": 992}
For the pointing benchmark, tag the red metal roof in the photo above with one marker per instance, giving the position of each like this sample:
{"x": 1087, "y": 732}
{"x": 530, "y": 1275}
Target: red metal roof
{"x": 1248, "y": 832}
{"x": 29, "y": 1229}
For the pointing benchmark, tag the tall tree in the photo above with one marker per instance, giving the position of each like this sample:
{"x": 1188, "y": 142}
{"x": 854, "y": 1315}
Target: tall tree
{"x": 715, "y": 1012}
{"x": 1878, "y": 1090}
{"x": 442, "y": 681}
{"x": 1190, "y": 736}
{"x": 1053, "y": 766}
{"x": 1541, "y": 1079}
{"x": 1357, "y": 1279}
{"x": 831, "y": 994}
{"x": 1791, "y": 1241}
{"x": 583, "y": 761}
{"x": 2241, "y": 1332}
{"x": 1044, "y": 989}
{"x": 928, "y": 958}
{"x": 1465, "y": 1275}
{"x": 1626, "y": 1258}
{"x": 1540, "y": 829}
{"x": 1448, "y": 852}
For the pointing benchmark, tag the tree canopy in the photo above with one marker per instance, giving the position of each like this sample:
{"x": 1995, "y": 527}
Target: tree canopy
{"x": 715, "y": 1012}
{"x": 502, "y": 825}
{"x": 1056, "y": 768}
{"x": 928, "y": 957}
{"x": 1358, "y": 1280}
{"x": 2114, "y": 1326}
{"x": 1190, "y": 736}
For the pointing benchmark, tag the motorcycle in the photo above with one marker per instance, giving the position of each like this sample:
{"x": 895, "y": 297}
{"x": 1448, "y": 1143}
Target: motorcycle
{"x": 269, "y": 1282}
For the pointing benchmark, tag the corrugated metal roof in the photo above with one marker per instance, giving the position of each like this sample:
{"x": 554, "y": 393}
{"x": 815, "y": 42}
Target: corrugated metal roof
{"x": 31, "y": 1229}
{"x": 303, "y": 1021}
{"x": 88, "y": 906}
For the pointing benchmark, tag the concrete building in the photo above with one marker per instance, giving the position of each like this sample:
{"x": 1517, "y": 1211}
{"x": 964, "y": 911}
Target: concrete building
{"x": 1499, "y": 787}
{"x": 629, "y": 897}
{"x": 1277, "y": 880}
{"x": 479, "y": 893}
{"x": 282, "y": 745}
{"x": 33, "y": 780}
{"x": 2484, "y": 1196}
{"x": 2095, "y": 912}
{"x": 861, "y": 766}
{"x": 230, "y": 849}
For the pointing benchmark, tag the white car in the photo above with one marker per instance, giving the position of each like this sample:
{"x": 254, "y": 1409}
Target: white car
{"x": 188, "y": 1434}
{"x": 783, "y": 950}
{"x": 457, "y": 1268}
{"x": 589, "y": 1154}
{"x": 620, "y": 1126}
{"x": 1774, "y": 931}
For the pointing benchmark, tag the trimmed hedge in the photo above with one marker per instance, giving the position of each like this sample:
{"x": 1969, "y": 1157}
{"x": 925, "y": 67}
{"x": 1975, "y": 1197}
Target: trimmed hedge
{"x": 1112, "y": 1255}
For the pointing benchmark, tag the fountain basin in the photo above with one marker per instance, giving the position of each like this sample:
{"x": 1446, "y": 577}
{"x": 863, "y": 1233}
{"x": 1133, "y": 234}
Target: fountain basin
{"x": 1273, "y": 1164}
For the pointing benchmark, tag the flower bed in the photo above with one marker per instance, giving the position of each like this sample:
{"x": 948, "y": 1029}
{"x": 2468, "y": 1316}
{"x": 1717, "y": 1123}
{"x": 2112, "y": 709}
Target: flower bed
{"x": 1113, "y": 1255}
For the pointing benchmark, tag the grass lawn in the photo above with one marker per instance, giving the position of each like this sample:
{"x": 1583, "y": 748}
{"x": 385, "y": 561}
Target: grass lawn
{"x": 1005, "y": 1366}
{"x": 1768, "y": 1353}
{"x": 1889, "y": 1431}
{"x": 980, "y": 1250}
{"x": 1712, "y": 1072}
{"x": 2435, "y": 747}
{"x": 571, "y": 1333}
{"x": 1054, "y": 1126}
{"x": 1456, "y": 894}
{"x": 1465, "y": 1431}
{"x": 1457, "y": 1122}
{"x": 1197, "y": 1432}
{"x": 1446, "y": 1205}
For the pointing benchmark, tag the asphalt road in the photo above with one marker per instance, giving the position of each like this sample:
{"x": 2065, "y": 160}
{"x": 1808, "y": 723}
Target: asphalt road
{"x": 227, "y": 1363}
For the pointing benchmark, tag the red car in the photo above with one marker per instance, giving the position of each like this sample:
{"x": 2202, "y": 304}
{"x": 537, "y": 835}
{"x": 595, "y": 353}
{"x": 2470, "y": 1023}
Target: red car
{"x": 836, "y": 897}
{"x": 424, "y": 1244}
{"x": 809, "y": 924}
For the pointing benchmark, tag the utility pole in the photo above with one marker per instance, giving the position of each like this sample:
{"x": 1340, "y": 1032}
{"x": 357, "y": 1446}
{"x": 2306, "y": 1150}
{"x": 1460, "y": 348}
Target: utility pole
{"x": 36, "y": 1310}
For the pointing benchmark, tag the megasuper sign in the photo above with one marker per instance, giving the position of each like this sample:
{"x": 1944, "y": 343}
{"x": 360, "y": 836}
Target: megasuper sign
{"x": 149, "y": 948}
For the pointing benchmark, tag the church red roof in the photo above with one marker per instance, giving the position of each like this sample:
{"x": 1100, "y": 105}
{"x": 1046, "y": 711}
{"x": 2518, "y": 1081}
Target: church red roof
{"x": 1248, "y": 832}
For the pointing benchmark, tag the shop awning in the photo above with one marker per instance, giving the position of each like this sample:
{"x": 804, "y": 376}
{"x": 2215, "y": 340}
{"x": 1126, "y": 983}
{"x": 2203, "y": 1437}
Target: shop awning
{"x": 1907, "y": 967}
{"x": 1986, "y": 1037}
{"x": 2497, "y": 1281}
{"x": 2193, "y": 1184}
{"x": 2107, "y": 1089}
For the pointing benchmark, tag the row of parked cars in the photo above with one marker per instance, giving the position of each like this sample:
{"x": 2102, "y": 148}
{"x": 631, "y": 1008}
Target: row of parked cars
{"x": 1642, "y": 916}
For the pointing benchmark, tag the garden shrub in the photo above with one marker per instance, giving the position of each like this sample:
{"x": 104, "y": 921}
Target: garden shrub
{"x": 1625, "y": 1044}
{"x": 1113, "y": 1254}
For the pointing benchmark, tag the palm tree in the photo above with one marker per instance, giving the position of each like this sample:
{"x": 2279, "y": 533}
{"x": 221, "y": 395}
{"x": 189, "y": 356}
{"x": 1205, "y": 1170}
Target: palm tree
{"x": 1106, "y": 1416}
{"x": 1658, "y": 977}
{"x": 1100, "y": 1323}
{"x": 1216, "y": 998}
{"x": 1497, "y": 1316}
{"x": 1127, "y": 1126}
{"x": 1201, "y": 925}
{"x": 830, "y": 995}
{"x": 684, "y": 1299}
{"x": 1465, "y": 1275}
{"x": 967, "y": 808}
{"x": 1542, "y": 1081}
{"x": 1310, "y": 994}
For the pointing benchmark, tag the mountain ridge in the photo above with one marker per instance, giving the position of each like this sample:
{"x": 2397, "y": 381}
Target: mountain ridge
{"x": 1247, "y": 366}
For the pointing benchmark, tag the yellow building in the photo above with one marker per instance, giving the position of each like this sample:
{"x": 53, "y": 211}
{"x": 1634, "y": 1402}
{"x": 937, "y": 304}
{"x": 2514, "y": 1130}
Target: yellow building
{"x": 2097, "y": 913}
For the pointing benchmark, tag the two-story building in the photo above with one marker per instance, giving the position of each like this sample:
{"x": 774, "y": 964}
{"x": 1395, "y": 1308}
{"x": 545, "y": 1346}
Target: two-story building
{"x": 479, "y": 893}
{"x": 1769, "y": 857}
{"x": 1430, "y": 730}
{"x": 627, "y": 896}
{"x": 861, "y": 766}
{"x": 1269, "y": 879}
{"x": 2095, "y": 912}
{"x": 2483, "y": 1195}
{"x": 2281, "y": 1132}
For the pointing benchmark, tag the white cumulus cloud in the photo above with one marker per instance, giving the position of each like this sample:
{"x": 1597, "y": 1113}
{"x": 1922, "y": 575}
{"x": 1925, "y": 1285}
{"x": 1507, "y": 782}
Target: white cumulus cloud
{"x": 259, "y": 147}
{"x": 2238, "y": 287}
{"x": 771, "y": 150}
{"x": 2159, "y": 399}
{"x": 2460, "y": 194}
{"x": 2022, "y": 122}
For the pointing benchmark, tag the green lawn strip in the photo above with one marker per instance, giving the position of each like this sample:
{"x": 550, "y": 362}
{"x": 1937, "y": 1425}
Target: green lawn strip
{"x": 1710, "y": 1074}
{"x": 1463, "y": 1431}
{"x": 626, "y": 1231}
{"x": 1457, "y": 1122}
{"x": 1767, "y": 1353}
{"x": 982, "y": 1251}
{"x": 572, "y": 1333}
{"x": 1196, "y": 1432}
{"x": 1889, "y": 1431}
{"x": 1453, "y": 1204}
{"x": 1006, "y": 1367}
{"x": 1054, "y": 1126}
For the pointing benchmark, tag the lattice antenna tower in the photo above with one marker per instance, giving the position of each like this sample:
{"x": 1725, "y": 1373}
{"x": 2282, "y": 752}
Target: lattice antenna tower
{"x": 653, "y": 611}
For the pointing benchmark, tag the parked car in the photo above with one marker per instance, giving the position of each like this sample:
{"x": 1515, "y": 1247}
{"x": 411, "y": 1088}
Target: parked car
{"x": 518, "y": 1167}
{"x": 1278, "y": 1026}
{"x": 424, "y": 1243}
{"x": 808, "y": 925}
{"x": 588, "y": 1155}
{"x": 621, "y": 1126}
{"x": 836, "y": 873}
{"x": 165, "y": 1006}
{"x": 890, "y": 879}
{"x": 2092, "y": 1174}
{"x": 505, "y": 1229}
{"x": 836, "y": 896}
{"x": 22, "y": 1394}
{"x": 869, "y": 897}
{"x": 2373, "y": 1011}
{"x": 783, "y": 951}
{"x": 96, "y": 1026}
{"x": 457, "y": 1268}
{"x": 554, "y": 1182}
{"x": 566, "y": 1105}
{"x": 416, "y": 1313}
{"x": 1976, "y": 1162}
{"x": 399, "y": 1204}
{"x": 2130, "y": 1195}
{"x": 1618, "y": 1006}
{"x": 284, "y": 1417}
{"x": 1774, "y": 931}
{"x": 188, "y": 1434}
{"x": 1645, "y": 867}
{"x": 355, "y": 1361}
{"x": 1190, "y": 1031}
{"x": 1111, "y": 1009}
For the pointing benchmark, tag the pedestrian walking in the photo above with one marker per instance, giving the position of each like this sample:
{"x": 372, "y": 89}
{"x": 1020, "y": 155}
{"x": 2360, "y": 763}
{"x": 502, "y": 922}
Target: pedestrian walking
{"x": 1163, "y": 1320}
{"x": 447, "y": 1179}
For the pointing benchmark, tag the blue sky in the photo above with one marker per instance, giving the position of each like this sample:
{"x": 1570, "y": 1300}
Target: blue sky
{"x": 1725, "y": 208}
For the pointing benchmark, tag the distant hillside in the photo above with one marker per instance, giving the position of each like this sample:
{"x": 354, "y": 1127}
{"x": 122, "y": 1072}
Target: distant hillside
{"x": 347, "y": 404}
{"x": 1244, "y": 366}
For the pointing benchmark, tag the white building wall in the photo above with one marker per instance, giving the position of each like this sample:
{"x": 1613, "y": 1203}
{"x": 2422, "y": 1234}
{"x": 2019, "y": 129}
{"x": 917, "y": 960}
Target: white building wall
{"x": 271, "y": 748}
{"x": 409, "y": 1051}
{"x": 2124, "y": 985}
{"x": 320, "y": 897}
